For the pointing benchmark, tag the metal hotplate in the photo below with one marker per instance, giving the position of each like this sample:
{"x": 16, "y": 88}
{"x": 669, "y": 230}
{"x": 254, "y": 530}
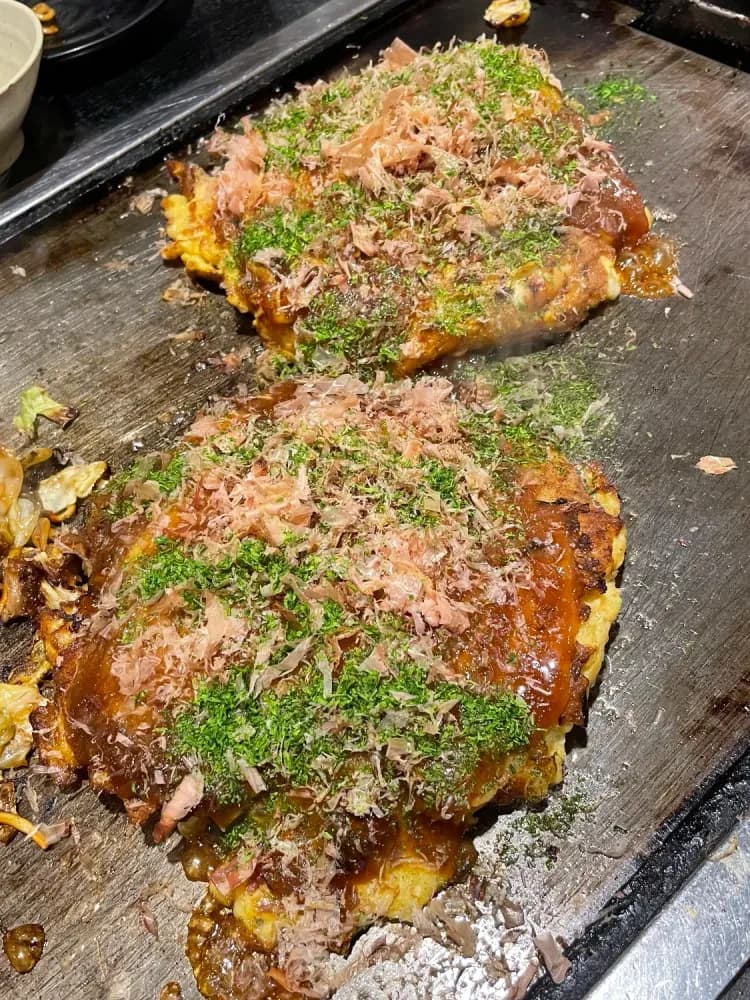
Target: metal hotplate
{"x": 81, "y": 310}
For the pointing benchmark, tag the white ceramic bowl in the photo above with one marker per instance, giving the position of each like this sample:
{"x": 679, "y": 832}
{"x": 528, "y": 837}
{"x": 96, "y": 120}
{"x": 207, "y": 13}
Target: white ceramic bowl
{"x": 20, "y": 53}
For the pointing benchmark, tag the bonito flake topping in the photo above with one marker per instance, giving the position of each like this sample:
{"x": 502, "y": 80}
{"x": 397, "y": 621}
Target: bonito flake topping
{"x": 433, "y": 203}
{"x": 331, "y": 625}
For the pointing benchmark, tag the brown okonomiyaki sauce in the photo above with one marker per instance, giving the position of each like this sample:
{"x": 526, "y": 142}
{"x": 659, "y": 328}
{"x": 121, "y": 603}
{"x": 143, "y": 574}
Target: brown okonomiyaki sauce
{"x": 544, "y": 672}
{"x": 23, "y": 946}
{"x": 294, "y": 857}
{"x": 536, "y": 660}
{"x": 228, "y": 959}
{"x": 648, "y": 269}
{"x": 646, "y": 262}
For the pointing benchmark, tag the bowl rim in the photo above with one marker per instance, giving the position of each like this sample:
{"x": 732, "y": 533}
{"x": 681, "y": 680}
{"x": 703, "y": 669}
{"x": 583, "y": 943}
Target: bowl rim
{"x": 36, "y": 50}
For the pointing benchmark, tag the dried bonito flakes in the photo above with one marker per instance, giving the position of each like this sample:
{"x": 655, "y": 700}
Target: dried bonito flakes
{"x": 716, "y": 465}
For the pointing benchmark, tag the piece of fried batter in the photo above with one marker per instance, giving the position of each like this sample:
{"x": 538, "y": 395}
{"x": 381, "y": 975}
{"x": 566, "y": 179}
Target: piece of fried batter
{"x": 320, "y": 635}
{"x": 432, "y": 204}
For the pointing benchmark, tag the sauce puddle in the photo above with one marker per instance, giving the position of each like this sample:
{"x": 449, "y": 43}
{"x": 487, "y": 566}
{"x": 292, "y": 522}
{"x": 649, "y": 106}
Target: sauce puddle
{"x": 648, "y": 269}
{"x": 23, "y": 946}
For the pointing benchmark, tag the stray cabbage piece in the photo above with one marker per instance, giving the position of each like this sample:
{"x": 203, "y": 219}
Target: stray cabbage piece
{"x": 35, "y": 456}
{"x": 11, "y": 482}
{"x": 44, "y": 835}
{"x": 17, "y": 702}
{"x": 22, "y": 521}
{"x": 25, "y": 532}
{"x": 7, "y": 805}
{"x": 508, "y": 13}
{"x": 37, "y": 402}
{"x": 18, "y": 515}
{"x": 58, "y": 493}
{"x": 56, "y": 597}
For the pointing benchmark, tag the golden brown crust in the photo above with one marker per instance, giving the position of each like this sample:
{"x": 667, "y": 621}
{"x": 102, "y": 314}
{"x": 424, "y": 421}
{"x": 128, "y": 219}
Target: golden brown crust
{"x": 277, "y": 919}
{"x": 420, "y": 228}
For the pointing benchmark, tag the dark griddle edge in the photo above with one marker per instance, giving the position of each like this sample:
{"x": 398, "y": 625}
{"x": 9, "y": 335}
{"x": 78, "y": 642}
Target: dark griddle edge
{"x": 679, "y": 847}
{"x": 184, "y": 112}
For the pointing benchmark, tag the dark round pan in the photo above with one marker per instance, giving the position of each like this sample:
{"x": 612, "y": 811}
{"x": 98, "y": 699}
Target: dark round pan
{"x": 92, "y": 26}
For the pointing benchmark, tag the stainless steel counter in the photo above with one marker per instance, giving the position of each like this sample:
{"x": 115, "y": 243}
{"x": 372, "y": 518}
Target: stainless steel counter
{"x": 699, "y": 941}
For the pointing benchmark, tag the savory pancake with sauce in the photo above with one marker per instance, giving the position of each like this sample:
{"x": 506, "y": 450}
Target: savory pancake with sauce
{"x": 434, "y": 203}
{"x": 319, "y": 636}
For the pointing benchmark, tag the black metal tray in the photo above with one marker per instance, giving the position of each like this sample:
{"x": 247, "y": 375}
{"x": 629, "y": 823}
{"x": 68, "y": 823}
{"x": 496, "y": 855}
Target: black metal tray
{"x": 85, "y": 28}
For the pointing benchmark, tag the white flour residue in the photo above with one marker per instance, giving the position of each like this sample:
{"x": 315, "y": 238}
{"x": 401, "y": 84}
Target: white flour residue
{"x": 504, "y": 957}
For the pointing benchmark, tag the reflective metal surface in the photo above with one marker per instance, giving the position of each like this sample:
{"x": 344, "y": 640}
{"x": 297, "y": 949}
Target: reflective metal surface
{"x": 700, "y": 939}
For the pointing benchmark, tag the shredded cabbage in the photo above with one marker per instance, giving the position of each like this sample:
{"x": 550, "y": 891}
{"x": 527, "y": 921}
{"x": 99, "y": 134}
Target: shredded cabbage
{"x": 37, "y": 402}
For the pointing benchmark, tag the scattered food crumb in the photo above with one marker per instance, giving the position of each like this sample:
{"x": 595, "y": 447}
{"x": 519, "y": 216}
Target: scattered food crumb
{"x": 182, "y": 293}
{"x": 46, "y": 15}
{"x": 171, "y": 991}
{"x": 551, "y": 953}
{"x": 7, "y": 804}
{"x": 188, "y": 336}
{"x": 23, "y": 946}
{"x": 144, "y": 201}
{"x": 148, "y": 919}
{"x": 683, "y": 289}
{"x": 715, "y": 465}
{"x": 117, "y": 265}
{"x": 227, "y": 362}
{"x": 617, "y": 850}
{"x": 20, "y": 272}
{"x": 663, "y": 215}
{"x": 508, "y": 13}
{"x": 725, "y": 851}
{"x": 44, "y": 12}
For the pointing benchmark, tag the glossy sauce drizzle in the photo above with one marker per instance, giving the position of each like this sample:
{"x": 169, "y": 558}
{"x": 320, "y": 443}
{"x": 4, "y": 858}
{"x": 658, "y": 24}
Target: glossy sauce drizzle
{"x": 23, "y": 946}
{"x": 199, "y": 858}
{"x": 648, "y": 269}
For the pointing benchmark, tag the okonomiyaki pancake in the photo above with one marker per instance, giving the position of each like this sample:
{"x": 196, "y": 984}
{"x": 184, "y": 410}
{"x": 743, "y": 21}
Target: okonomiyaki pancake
{"x": 434, "y": 203}
{"x": 321, "y": 634}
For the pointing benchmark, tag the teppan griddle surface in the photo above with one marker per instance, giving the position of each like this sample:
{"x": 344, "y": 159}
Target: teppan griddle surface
{"x": 670, "y": 717}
